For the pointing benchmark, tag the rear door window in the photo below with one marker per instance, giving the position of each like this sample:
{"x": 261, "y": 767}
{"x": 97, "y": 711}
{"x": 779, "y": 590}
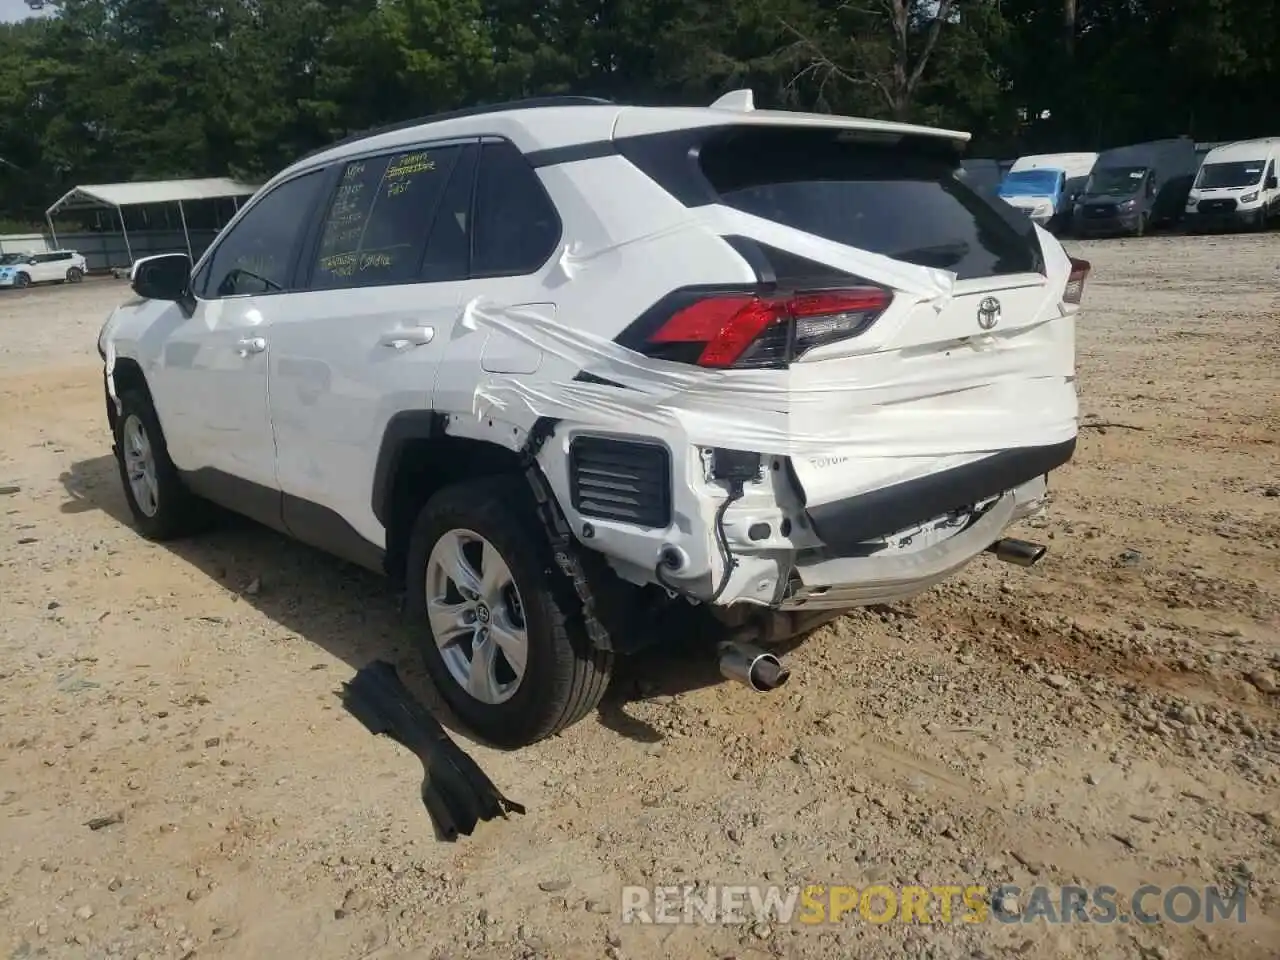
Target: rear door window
{"x": 379, "y": 217}
{"x": 448, "y": 255}
{"x": 516, "y": 225}
{"x": 901, "y": 201}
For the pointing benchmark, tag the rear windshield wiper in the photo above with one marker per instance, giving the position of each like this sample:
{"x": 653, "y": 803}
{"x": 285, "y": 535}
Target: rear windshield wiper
{"x": 938, "y": 255}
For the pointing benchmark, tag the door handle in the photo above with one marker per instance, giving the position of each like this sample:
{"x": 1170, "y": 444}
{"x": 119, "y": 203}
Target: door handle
{"x": 250, "y": 345}
{"x": 408, "y": 337}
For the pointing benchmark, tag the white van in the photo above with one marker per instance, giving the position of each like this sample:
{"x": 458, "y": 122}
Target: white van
{"x": 1044, "y": 186}
{"x": 1236, "y": 187}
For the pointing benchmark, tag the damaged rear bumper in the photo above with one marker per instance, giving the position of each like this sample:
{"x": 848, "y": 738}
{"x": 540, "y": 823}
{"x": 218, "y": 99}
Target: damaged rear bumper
{"x": 837, "y": 583}
{"x": 845, "y": 525}
{"x": 792, "y": 555}
{"x": 895, "y": 542}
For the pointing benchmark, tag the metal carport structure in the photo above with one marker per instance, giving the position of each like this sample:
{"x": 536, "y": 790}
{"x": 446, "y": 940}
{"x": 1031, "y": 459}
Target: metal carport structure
{"x": 116, "y": 196}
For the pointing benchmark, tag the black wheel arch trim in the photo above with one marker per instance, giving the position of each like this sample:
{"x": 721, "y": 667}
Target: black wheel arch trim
{"x": 403, "y": 428}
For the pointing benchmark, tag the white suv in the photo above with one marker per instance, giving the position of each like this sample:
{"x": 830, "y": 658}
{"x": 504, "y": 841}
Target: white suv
{"x": 54, "y": 266}
{"x": 563, "y": 367}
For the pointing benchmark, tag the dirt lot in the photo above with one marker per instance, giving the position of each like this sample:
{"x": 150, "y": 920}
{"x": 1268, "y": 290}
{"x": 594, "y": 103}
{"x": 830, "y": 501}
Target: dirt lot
{"x": 1109, "y": 717}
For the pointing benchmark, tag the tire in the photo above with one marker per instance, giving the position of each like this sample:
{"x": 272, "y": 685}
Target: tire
{"x": 563, "y": 677}
{"x": 165, "y": 509}
{"x": 21, "y": 280}
{"x": 1142, "y": 226}
{"x": 75, "y": 275}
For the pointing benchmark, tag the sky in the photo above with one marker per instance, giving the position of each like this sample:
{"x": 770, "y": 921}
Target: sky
{"x": 11, "y": 10}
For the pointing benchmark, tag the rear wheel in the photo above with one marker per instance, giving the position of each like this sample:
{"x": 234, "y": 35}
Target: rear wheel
{"x": 499, "y": 626}
{"x": 75, "y": 275}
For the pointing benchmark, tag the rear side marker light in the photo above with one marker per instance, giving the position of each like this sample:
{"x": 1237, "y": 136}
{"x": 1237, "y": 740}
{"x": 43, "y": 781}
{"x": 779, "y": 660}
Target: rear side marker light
{"x": 1075, "y": 281}
{"x": 756, "y": 330}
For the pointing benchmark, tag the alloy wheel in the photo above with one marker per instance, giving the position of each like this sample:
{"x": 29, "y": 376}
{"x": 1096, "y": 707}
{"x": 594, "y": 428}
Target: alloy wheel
{"x": 140, "y": 463}
{"x": 476, "y": 616}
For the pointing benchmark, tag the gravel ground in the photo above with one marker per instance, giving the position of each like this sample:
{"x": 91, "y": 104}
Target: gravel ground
{"x": 1109, "y": 717}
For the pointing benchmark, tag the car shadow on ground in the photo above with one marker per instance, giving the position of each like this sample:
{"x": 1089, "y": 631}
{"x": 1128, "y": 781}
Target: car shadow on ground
{"x": 357, "y": 617}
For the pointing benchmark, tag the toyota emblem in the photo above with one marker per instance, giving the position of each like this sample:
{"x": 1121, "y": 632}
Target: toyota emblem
{"x": 988, "y": 313}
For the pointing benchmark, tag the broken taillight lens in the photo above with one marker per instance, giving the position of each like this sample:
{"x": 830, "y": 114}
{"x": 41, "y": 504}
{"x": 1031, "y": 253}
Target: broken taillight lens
{"x": 737, "y": 330}
{"x": 1075, "y": 281}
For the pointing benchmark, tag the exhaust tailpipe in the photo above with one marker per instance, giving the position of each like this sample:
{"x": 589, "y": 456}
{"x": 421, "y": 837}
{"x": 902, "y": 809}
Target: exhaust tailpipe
{"x": 1024, "y": 553}
{"x": 758, "y": 669}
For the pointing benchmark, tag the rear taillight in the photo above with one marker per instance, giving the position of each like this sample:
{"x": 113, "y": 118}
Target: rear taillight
{"x": 1075, "y": 281}
{"x": 737, "y": 330}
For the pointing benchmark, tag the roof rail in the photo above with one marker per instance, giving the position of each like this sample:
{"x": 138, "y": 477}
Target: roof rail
{"x": 529, "y": 103}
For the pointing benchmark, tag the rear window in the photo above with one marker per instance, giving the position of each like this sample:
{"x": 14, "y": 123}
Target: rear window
{"x": 896, "y": 199}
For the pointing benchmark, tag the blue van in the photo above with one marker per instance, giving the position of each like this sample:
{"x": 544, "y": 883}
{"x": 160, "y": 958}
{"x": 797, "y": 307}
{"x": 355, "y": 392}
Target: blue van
{"x": 1044, "y": 187}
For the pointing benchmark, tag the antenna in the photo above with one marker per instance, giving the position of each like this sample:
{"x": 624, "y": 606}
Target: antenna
{"x": 740, "y": 101}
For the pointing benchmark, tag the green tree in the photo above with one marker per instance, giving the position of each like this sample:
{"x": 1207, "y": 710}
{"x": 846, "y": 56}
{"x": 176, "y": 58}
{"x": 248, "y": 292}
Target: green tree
{"x": 124, "y": 89}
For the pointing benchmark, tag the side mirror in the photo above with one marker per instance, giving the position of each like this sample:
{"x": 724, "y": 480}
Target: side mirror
{"x": 1272, "y": 182}
{"x": 166, "y": 276}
